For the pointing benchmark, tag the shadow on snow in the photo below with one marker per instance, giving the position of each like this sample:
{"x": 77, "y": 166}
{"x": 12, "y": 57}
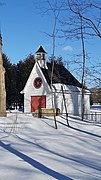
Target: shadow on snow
{"x": 34, "y": 163}
{"x": 80, "y": 130}
{"x": 79, "y": 160}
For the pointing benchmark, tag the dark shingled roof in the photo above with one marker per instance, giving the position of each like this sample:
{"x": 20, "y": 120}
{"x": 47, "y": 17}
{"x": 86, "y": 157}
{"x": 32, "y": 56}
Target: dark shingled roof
{"x": 60, "y": 75}
{"x": 41, "y": 50}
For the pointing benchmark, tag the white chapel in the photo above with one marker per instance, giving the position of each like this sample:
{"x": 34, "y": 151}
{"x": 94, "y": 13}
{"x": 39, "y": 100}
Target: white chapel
{"x": 37, "y": 91}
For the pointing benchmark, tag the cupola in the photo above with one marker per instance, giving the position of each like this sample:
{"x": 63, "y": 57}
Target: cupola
{"x": 41, "y": 57}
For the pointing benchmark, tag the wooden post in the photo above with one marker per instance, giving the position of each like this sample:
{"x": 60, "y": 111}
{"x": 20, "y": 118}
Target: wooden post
{"x": 65, "y": 105}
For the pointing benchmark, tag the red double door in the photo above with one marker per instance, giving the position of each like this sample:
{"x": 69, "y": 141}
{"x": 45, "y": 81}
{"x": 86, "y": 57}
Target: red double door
{"x": 38, "y": 102}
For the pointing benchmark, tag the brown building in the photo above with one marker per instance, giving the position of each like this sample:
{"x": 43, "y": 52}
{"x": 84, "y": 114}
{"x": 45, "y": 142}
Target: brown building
{"x": 96, "y": 96}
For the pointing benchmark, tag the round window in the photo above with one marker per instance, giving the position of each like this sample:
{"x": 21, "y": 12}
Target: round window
{"x": 37, "y": 82}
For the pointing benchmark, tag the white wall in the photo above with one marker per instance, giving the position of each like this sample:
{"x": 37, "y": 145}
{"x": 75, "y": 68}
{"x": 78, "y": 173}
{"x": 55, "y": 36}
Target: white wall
{"x": 73, "y": 99}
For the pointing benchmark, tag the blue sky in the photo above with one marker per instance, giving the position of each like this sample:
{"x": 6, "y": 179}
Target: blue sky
{"x": 23, "y": 32}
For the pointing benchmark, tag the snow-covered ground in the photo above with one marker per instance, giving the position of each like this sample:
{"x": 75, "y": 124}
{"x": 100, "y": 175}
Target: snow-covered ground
{"x": 32, "y": 149}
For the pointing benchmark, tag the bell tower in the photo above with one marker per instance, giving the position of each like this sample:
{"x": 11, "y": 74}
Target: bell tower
{"x": 41, "y": 57}
{"x": 2, "y": 84}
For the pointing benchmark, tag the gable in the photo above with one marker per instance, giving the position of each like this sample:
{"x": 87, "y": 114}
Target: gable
{"x": 30, "y": 84}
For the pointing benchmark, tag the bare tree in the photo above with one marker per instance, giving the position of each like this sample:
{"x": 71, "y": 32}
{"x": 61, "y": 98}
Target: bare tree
{"x": 54, "y": 8}
{"x": 80, "y": 25}
{"x": 87, "y": 10}
{"x": 81, "y": 33}
{"x": 54, "y": 32}
{"x": 83, "y": 66}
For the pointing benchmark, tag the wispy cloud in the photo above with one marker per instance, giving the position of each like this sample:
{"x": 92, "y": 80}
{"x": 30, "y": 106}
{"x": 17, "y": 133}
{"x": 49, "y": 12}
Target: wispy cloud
{"x": 67, "y": 48}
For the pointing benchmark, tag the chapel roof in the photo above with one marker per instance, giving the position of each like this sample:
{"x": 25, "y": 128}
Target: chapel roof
{"x": 60, "y": 75}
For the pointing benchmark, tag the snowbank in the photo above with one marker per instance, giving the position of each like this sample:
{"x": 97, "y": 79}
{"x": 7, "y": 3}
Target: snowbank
{"x": 31, "y": 148}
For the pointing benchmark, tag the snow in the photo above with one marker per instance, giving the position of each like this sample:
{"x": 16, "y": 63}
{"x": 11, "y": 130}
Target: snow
{"x": 32, "y": 149}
